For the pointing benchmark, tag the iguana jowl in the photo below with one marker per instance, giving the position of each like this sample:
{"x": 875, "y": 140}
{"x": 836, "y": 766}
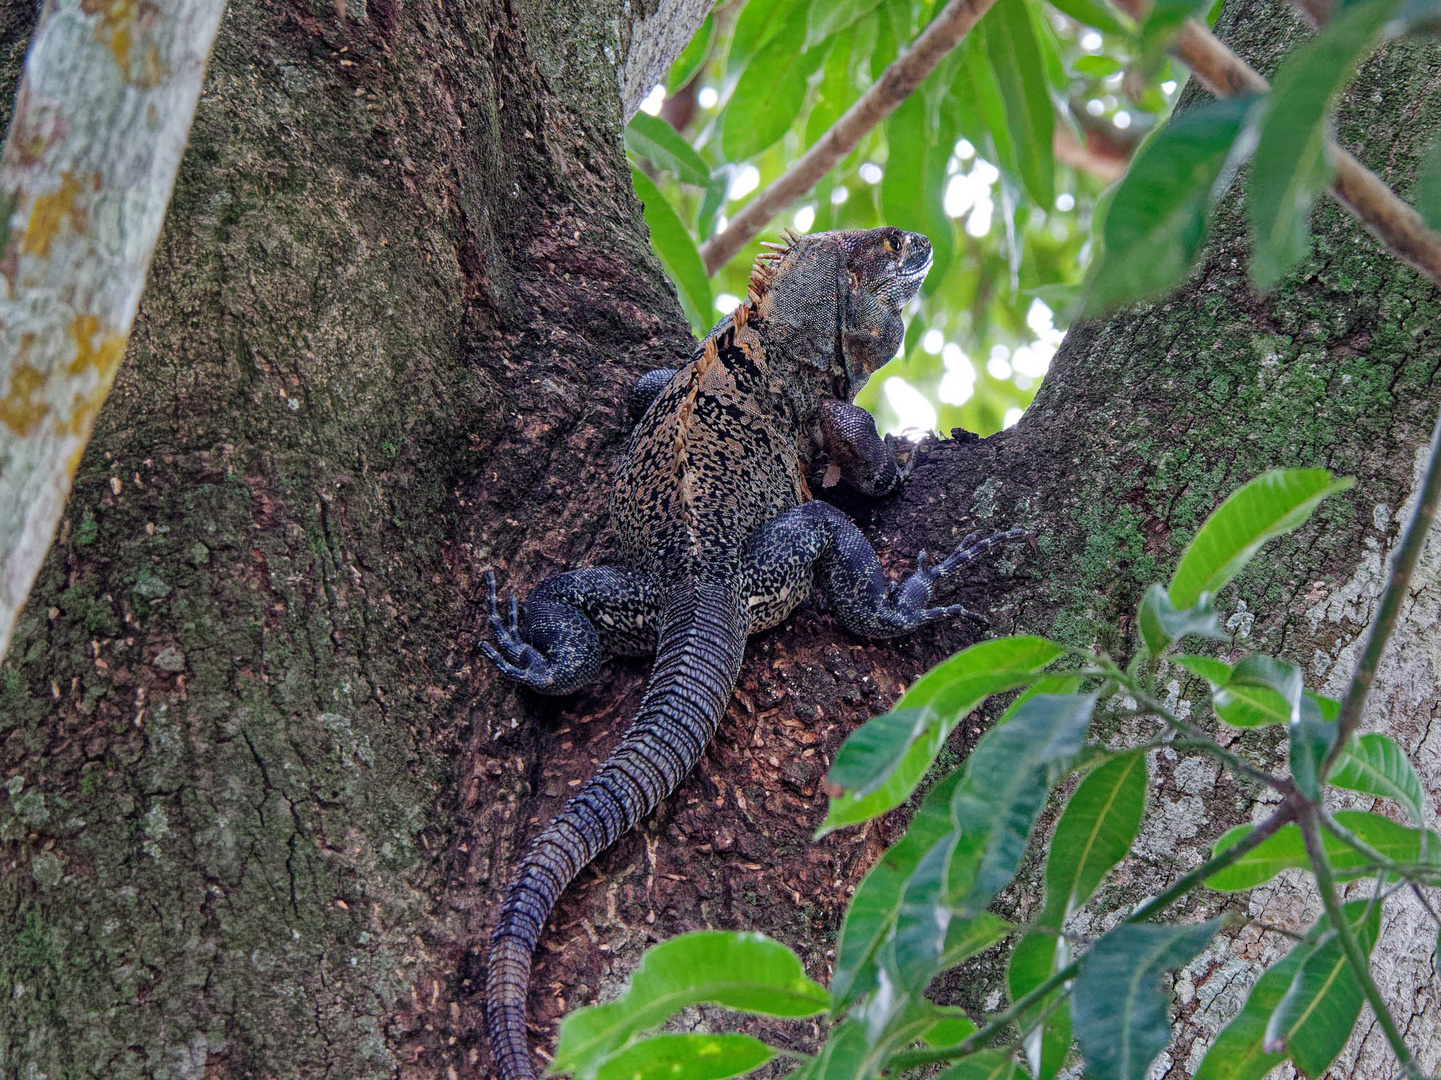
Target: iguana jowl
{"x": 720, "y": 540}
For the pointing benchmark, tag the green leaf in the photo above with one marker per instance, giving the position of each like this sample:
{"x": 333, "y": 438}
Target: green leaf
{"x": 994, "y": 809}
{"x": 652, "y": 138}
{"x": 970, "y": 934}
{"x": 686, "y": 1057}
{"x": 1118, "y": 1010}
{"x": 1097, "y": 13}
{"x": 759, "y": 22}
{"x": 1330, "y": 707}
{"x": 1161, "y": 623}
{"x": 1237, "y": 1053}
{"x": 980, "y": 110}
{"x": 1311, "y": 736}
{"x": 1096, "y": 67}
{"x": 1273, "y": 503}
{"x": 924, "y": 917}
{"x": 844, "y": 1055}
{"x": 950, "y": 1028}
{"x": 1315, "y": 1017}
{"x": 827, "y": 17}
{"x": 1164, "y": 19}
{"x": 951, "y": 690}
{"x": 1425, "y": 193}
{"x": 1216, "y": 672}
{"x": 1376, "y": 765}
{"x": 873, "y": 910}
{"x": 692, "y": 57}
{"x": 1030, "y": 116}
{"x": 918, "y": 148}
{"x": 1291, "y": 166}
{"x": 982, "y": 1065}
{"x": 871, "y": 753}
{"x": 1008, "y": 776}
{"x": 770, "y": 92}
{"x": 744, "y": 971}
{"x": 1285, "y": 850}
{"x": 1261, "y": 690}
{"x": 1162, "y": 208}
{"x": 835, "y": 92}
{"x": 1095, "y": 832}
{"x": 1033, "y": 960}
{"x": 677, "y": 252}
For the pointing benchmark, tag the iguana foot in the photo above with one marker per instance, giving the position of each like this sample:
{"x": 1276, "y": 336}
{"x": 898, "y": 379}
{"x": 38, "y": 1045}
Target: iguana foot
{"x": 516, "y": 658}
{"x": 915, "y": 592}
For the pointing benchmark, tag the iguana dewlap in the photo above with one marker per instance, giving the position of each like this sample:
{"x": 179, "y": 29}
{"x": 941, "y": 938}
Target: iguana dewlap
{"x": 720, "y": 539}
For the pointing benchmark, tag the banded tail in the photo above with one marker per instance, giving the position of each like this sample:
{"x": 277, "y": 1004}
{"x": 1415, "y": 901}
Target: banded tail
{"x": 698, "y": 658}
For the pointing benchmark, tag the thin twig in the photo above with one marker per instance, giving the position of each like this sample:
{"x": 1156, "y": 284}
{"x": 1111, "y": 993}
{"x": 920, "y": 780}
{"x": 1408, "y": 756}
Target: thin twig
{"x": 1197, "y": 738}
{"x": 1355, "y": 187}
{"x": 1346, "y": 836}
{"x": 905, "y": 73}
{"x": 1360, "y": 964}
{"x": 1390, "y": 607}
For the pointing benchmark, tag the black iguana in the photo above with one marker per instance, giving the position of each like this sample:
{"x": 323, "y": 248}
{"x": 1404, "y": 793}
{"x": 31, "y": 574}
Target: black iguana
{"x": 720, "y": 539}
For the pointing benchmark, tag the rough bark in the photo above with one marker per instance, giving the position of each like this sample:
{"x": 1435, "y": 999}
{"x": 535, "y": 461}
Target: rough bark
{"x": 263, "y": 799}
{"x": 402, "y": 288}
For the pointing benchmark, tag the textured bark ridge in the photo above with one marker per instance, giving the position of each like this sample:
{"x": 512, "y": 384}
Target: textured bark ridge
{"x": 401, "y": 291}
{"x": 261, "y": 801}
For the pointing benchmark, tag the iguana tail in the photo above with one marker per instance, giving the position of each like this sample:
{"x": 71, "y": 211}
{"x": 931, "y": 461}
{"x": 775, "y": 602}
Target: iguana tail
{"x": 701, "y": 643}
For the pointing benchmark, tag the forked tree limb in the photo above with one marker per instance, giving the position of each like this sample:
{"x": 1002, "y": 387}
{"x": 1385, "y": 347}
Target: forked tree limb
{"x": 1384, "y": 213}
{"x": 101, "y": 120}
{"x": 885, "y": 95}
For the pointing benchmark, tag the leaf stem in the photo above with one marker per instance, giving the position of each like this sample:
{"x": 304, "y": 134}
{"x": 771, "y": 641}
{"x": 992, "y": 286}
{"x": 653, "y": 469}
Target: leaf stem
{"x": 1360, "y": 964}
{"x": 1385, "y": 862}
{"x": 1390, "y": 607}
{"x": 1195, "y": 736}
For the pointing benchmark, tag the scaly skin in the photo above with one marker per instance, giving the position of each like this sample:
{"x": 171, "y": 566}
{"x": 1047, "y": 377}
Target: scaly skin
{"x": 720, "y": 540}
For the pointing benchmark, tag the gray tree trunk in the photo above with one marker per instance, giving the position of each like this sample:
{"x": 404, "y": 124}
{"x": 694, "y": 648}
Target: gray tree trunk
{"x": 263, "y": 793}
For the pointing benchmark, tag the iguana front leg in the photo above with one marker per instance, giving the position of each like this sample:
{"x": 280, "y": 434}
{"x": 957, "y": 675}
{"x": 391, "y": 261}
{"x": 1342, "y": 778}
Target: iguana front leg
{"x": 816, "y": 540}
{"x": 646, "y": 388}
{"x": 555, "y": 642}
{"x": 856, "y": 451}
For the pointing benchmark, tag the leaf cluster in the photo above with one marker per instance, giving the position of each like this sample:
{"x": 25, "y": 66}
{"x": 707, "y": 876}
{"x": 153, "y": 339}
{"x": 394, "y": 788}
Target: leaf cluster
{"x": 968, "y": 159}
{"x": 925, "y": 906}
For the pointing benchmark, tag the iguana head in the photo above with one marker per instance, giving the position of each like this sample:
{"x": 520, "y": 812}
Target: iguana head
{"x": 832, "y": 301}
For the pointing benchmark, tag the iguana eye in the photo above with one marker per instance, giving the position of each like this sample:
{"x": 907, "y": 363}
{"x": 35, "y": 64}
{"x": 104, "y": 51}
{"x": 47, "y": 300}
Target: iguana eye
{"x": 886, "y": 243}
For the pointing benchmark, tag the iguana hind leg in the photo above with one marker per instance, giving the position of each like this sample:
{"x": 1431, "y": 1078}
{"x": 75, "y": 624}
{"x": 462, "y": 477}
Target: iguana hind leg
{"x": 556, "y": 641}
{"x": 815, "y": 541}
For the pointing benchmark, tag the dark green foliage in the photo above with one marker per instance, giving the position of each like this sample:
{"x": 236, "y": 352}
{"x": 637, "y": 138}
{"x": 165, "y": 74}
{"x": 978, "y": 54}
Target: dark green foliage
{"x": 677, "y": 252}
{"x": 1118, "y": 1008}
{"x": 1162, "y": 209}
{"x": 1291, "y": 165}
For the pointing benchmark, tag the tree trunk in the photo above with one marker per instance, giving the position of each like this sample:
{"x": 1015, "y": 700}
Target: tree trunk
{"x": 264, "y": 795}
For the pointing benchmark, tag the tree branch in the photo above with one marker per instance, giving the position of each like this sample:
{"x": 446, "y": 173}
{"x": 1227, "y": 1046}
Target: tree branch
{"x": 1360, "y": 964}
{"x": 1385, "y": 214}
{"x": 905, "y": 73}
{"x": 101, "y": 121}
{"x": 1389, "y": 608}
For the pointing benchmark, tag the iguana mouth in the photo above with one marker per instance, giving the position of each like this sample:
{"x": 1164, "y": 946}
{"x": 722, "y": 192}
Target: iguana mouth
{"x": 917, "y": 262}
